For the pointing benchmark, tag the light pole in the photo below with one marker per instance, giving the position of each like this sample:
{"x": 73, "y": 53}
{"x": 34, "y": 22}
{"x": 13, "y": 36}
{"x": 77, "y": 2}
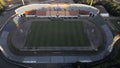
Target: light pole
{"x": 50, "y": 11}
{"x": 91, "y": 2}
{"x": 23, "y": 2}
{"x": 57, "y": 10}
{"x": 57, "y": 7}
{"x": 65, "y": 11}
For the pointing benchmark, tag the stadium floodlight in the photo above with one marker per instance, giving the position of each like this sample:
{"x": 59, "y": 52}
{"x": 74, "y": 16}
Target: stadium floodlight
{"x": 65, "y": 11}
{"x": 50, "y": 11}
{"x": 91, "y": 2}
{"x": 23, "y": 2}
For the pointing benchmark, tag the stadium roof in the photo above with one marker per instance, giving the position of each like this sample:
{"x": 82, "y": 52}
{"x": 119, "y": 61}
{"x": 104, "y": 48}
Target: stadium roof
{"x": 101, "y": 8}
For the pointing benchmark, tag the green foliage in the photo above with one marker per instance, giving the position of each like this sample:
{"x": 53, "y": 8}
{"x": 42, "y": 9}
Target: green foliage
{"x": 89, "y": 1}
{"x": 113, "y": 8}
{"x": 85, "y": 1}
{"x": 2, "y": 2}
{"x": 1, "y": 9}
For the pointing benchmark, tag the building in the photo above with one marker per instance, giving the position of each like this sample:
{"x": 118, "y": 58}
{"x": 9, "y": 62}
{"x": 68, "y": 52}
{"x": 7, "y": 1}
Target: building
{"x": 63, "y": 10}
{"x": 103, "y": 11}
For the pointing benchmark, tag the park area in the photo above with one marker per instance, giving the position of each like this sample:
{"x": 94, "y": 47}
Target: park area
{"x": 57, "y": 34}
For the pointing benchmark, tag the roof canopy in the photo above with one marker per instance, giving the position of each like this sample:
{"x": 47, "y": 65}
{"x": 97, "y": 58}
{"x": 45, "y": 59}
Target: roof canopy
{"x": 22, "y": 9}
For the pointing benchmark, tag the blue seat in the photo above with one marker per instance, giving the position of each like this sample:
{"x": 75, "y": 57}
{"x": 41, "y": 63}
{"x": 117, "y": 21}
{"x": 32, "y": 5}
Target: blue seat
{"x": 8, "y": 28}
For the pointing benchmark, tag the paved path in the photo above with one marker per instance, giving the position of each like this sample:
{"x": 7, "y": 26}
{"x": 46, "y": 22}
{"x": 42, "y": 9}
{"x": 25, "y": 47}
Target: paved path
{"x": 5, "y": 64}
{"x": 5, "y": 16}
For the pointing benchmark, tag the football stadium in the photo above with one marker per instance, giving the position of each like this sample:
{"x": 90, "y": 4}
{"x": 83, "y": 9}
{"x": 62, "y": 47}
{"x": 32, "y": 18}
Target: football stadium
{"x": 56, "y": 33}
{"x": 56, "y": 27}
{"x": 59, "y": 28}
{"x": 46, "y": 10}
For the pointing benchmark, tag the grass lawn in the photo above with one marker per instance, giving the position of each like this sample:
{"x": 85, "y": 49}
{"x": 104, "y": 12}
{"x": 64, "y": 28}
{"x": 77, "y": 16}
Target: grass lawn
{"x": 57, "y": 33}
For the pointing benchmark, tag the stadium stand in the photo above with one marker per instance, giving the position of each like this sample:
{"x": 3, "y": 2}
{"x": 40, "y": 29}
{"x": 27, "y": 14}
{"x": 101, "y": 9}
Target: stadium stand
{"x": 47, "y": 10}
{"x": 31, "y": 12}
{"x": 40, "y": 13}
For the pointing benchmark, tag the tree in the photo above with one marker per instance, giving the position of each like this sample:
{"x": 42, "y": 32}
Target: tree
{"x": 2, "y": 2}
{"x": 2, "y": 5}
{"x": 90, "y": 2}
{"x": 113, "y": 8}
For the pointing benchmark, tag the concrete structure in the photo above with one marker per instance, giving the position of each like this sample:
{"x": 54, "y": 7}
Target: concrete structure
{"x": 103, "y": 11}
{"x": 4, "y": 47}
{"x": 38, "y": 10}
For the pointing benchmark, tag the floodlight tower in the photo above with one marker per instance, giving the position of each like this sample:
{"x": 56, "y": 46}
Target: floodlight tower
{"x": 91, "y": 2}
{"x": 57, "y": 7}
{"x": 23, "y": 2}
{"x": 50, "y": 11}
{"x": 65, "y": 11}
{"x": 57, "y": 10}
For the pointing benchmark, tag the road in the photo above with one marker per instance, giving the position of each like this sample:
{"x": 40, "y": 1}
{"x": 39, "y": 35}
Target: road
{"x": 5, "y": 16}
{"x": 5, "y": 64}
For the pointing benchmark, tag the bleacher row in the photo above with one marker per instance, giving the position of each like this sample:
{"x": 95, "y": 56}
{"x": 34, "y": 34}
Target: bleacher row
{"x": 36, "y": 12}
{"x": 43, "y": 13}
{"x": 90, "y": 9}
{"x": 76, "y": 12}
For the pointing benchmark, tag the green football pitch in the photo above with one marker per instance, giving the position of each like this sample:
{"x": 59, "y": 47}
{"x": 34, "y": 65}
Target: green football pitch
{"x": 57, "y": 34}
